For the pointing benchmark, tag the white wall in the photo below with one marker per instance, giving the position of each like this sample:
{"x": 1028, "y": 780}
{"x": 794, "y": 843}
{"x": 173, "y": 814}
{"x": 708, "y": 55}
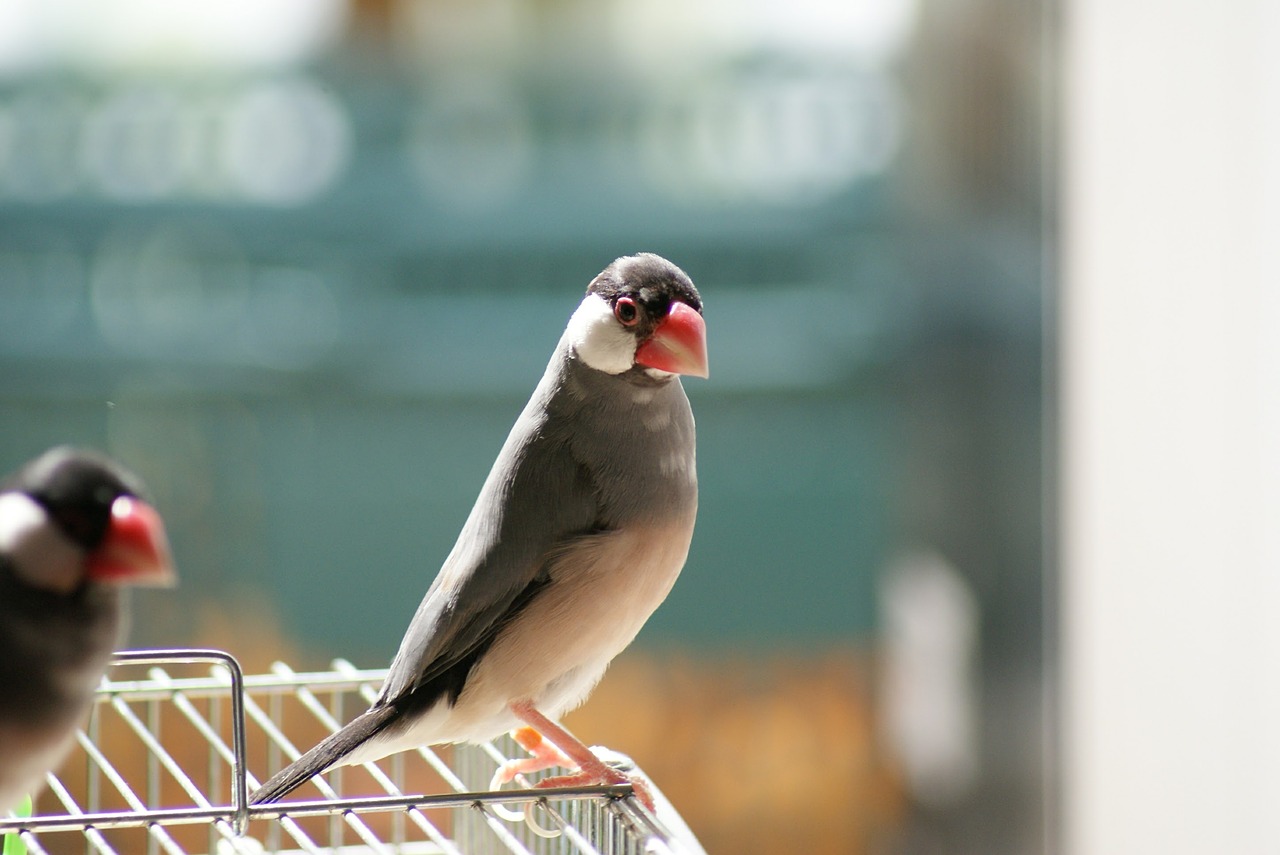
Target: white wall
{"x": 1170, "y": 311}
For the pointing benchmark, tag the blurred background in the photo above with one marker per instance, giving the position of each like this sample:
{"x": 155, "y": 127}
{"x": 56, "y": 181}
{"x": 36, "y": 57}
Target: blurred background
{"x": 299, "y": 263}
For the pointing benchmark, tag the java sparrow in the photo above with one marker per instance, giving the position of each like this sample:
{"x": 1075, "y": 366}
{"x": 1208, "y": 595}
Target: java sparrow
{"x": 73, "y": 530}
{"x": 579, "y": 532}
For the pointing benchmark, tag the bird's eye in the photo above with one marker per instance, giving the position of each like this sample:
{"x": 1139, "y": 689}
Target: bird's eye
{"x": 626, "y": 312}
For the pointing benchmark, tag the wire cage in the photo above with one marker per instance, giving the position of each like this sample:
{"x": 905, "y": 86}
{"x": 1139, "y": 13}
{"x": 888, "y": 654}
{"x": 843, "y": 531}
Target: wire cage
{"x": 163, "y": 765}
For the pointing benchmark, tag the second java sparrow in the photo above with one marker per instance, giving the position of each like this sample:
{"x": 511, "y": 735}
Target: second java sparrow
{"x": 578, "y": 533}
{"x": 73, "y": 530}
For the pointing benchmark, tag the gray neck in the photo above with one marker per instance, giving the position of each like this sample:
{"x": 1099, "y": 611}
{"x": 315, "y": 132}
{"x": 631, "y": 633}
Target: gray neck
{"x": 634, "y": 434}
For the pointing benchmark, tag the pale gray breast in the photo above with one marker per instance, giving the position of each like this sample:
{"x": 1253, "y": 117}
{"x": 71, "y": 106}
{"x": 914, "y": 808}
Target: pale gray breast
{"x": 53, "y": 649}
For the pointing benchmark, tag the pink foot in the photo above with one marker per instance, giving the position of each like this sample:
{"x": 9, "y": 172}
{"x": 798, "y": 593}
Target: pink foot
{"x": 592, "y": 771}
{"x": 544, "y": 755}
{"x": 611, "y": 777}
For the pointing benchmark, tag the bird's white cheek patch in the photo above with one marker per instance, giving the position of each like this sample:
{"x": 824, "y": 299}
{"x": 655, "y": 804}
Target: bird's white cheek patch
{"x": 20, "y": 517}
{"x": 598, "y": 339}
{"x": 41, "y": 555}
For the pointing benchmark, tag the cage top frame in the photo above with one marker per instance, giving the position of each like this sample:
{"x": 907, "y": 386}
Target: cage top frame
{"x": 595, "y": 819}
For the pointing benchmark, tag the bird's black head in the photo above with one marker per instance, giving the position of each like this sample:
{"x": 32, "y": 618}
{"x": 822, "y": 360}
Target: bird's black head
{"x": 650, "y": 280}
{"x": 641, "y": 313}
{"x": 77, "y": 488}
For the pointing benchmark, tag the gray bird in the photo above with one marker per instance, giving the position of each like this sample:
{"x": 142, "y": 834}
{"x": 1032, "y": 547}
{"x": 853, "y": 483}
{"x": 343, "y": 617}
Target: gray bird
{"x": 73, "y": 530}
{"x": 578, "y": 533}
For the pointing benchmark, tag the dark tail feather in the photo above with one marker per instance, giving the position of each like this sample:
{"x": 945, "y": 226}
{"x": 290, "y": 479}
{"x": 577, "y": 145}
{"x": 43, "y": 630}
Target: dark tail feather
{"x": 324, "y": 755}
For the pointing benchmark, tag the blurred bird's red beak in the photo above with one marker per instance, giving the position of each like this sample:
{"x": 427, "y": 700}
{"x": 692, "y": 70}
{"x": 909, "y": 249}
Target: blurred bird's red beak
{"x": 135, "y": 550}
{"x": 678, "y": 344}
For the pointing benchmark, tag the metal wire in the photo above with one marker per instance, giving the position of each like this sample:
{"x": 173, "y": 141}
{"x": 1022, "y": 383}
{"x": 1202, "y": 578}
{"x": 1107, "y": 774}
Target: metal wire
{"x": 151, "y": 774}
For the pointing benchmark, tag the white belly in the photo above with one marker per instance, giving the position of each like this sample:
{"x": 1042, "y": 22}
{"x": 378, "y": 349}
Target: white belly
{"x": 563, "y": 641}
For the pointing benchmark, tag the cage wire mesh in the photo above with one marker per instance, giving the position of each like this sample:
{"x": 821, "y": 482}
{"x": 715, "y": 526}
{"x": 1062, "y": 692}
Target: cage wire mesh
{"x": 177, "y": 738}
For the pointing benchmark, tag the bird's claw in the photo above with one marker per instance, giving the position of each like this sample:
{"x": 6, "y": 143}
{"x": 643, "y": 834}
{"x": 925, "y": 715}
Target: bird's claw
{"x": 525, "y": 815}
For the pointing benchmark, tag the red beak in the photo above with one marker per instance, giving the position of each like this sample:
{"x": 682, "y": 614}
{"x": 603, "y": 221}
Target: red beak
{"x": 135, "y": 550}
{"x": 678, "y": 345}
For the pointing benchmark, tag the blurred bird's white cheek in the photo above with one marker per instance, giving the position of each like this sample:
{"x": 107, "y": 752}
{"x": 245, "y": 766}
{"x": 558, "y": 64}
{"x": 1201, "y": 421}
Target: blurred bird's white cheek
{"x": 20, "y": 519}
{"x": 40, "y": 554}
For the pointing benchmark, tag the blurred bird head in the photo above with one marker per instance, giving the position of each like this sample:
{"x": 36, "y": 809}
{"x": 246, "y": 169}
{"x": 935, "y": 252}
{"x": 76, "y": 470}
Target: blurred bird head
{"x": 72, "y": 518}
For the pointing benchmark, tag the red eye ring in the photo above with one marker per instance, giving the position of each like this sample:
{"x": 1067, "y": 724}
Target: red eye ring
{"x": 626, "y": 311}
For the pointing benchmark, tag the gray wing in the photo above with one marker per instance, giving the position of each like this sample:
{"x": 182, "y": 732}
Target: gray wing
{"x": 536, "y": 499}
